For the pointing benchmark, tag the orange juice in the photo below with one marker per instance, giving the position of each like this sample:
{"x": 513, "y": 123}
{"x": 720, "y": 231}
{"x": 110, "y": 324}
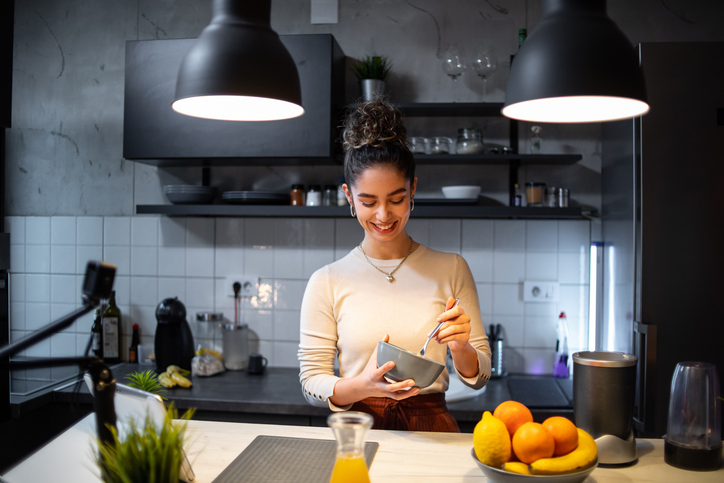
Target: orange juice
{"x": 350, "y": 468}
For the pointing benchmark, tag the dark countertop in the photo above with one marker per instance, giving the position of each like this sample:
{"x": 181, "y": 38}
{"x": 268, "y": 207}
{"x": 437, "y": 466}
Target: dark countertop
{"x": 278, "y": 392}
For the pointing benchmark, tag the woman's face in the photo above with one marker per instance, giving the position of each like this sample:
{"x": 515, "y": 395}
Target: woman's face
{"x": 381, "y": 197}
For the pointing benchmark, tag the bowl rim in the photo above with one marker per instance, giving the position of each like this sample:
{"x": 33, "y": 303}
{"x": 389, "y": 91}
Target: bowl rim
{"x": 411, "y": 353}
{"x": 581, "y": 473}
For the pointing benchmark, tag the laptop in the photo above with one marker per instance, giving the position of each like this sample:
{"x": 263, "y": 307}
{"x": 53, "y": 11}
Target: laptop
{"x": 133, "y": 403}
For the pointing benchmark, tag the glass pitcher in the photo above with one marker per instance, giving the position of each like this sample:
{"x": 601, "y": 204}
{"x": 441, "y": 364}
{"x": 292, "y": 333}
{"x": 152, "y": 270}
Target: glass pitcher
{"x": 350, "y": 429}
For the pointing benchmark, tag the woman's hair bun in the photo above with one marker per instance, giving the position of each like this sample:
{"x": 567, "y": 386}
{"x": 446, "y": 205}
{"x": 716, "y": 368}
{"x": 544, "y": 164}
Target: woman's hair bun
{"x": 374, "y": 124}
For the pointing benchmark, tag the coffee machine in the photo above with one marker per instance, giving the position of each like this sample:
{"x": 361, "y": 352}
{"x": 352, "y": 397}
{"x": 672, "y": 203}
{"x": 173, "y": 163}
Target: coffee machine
{"x": 604, "y": 388}
{"x": 174, "y": 342}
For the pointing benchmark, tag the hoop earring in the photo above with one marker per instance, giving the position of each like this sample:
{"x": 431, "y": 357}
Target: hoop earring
{"x": 352, "y": 212}
{"x": 412, "y": 204}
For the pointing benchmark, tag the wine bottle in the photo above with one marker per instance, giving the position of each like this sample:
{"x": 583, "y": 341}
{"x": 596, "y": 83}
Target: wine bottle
{"x": 133, "y": 350}
{"x": 112, "y": 331}
{"x": 522, "y": 34}
{"x": 97, "y": 334}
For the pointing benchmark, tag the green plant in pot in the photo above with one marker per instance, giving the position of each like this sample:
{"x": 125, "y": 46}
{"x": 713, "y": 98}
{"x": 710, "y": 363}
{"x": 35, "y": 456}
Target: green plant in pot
{"x": 371, "y": 73}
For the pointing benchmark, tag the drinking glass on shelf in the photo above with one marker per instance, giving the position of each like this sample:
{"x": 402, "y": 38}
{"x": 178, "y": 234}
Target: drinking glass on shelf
{"x": 454, "y": 63}
{"x": 484, "y": 64}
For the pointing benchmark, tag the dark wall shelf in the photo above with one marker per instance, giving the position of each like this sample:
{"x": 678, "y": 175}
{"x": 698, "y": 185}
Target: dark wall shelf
{"x": 428, "y": 211}
{"x": 523, "y": 159}
{"x": 452, "y": 109}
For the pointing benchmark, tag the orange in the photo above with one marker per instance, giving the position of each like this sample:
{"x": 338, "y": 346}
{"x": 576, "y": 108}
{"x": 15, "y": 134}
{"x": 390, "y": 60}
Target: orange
{"x": 513, "y": 414}
{"x": 532, "y": 442}
{"x": 564, "y": 433}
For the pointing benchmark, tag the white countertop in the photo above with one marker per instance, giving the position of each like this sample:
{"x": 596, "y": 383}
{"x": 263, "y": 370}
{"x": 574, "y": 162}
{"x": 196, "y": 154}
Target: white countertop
{"x": 401, "y": 456}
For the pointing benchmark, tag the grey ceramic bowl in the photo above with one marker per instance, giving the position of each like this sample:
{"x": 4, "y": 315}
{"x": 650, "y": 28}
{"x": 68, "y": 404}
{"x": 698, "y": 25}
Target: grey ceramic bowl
{"x": 408, "y": 365}
{"x": 496, "y": 475}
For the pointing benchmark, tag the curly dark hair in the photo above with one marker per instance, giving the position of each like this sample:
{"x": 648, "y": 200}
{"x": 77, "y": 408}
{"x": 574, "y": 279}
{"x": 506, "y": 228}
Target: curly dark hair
{"x": 375, "y": 134}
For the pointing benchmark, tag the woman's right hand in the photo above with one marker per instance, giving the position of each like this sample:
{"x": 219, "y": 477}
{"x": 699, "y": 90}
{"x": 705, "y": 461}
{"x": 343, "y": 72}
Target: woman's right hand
{"x": 371, "y": 382}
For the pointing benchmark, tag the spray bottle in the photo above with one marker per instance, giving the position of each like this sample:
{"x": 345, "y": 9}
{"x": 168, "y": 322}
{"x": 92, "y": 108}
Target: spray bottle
{"x": 560, "y": 369}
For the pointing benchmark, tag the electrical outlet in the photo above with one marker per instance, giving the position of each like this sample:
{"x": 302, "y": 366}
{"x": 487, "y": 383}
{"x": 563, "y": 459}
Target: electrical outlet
{"x": 541, "y": 291}
{"x": 249, "y": 285}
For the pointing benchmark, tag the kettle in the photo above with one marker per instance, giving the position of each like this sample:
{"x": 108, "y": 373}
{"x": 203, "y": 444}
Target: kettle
{"x": 174, "y": 343}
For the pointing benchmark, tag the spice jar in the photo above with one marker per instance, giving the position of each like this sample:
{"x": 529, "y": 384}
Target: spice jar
{"x": 470, "y": 141}
{"x": 314, "y": 195}
{"x": 563, "y": 197}
{"x": 534, "y": 193}
{"x": 440, "y": 145}
{"x": 419, "y": 145}
{"x": 341, "y": 197}
{"x": 551, "y": 197}
{"x": 296, "y": 195}
{"x": 329, "y": 197}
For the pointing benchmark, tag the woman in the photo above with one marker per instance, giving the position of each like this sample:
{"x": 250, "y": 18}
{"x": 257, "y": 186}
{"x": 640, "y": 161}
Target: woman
{"x": 388, "y": 288}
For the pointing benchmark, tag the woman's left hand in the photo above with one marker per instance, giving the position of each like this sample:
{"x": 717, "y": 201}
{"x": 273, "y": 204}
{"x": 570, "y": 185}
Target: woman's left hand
{"x": 455, "y": 332}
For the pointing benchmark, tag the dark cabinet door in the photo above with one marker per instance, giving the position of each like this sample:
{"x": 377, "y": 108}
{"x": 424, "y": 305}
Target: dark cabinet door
{"x": 155, "y": 134}
{"x": 7, "y": 18}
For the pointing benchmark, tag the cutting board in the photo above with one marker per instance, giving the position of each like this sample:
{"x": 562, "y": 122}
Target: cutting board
{"x": 286, "y": 460}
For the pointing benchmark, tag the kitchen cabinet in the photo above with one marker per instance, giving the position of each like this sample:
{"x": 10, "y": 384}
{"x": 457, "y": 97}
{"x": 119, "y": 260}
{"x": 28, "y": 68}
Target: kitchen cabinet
{"x": 153, "y": 133}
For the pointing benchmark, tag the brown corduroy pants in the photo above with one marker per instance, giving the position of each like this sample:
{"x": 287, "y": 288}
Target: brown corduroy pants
{"x": 427, "y": 412}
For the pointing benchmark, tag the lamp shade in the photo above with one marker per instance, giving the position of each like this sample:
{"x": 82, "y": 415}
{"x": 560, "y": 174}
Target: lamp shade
{"x": 238, "y": 69}
{"x": 576, "y": 66}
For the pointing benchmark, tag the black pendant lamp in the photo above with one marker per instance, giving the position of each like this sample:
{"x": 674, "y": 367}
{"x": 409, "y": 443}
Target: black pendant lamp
{"x": 576, "y": 66}
{"x": 238, "y": 69}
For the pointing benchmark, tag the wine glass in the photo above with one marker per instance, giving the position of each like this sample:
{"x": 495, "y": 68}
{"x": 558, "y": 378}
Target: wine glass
{"x": 454, "y": 63}
{"x": 484, "y": 64}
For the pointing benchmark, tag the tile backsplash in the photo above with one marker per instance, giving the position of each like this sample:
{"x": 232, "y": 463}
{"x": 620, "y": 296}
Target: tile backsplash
{"x": 189, "y": 258}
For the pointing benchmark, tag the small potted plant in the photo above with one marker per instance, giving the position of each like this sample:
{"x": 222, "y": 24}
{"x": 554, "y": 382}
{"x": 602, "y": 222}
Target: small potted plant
{"x": 372, "y": 72}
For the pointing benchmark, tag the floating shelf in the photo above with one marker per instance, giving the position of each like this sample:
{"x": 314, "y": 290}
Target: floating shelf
{"x": 421, "y": 211}
{"x": 451, "y": 109}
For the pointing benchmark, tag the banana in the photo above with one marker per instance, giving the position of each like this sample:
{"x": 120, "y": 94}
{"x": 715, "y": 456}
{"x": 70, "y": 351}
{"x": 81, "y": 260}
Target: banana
{"x": 580, "y": 458}
{"x": 211, "y": 352}
{"x": 180, "y": 380}
{"x": 165, "y": 380}
{"x": 516, "y": 467}
{"x": 173, "y": 369}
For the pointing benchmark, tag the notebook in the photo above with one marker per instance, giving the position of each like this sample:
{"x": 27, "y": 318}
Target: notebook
{"x": 131, "y": 403}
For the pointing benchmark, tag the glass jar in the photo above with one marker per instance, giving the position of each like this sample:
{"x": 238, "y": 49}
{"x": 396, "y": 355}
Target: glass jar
{"x": 314, "y": 195}
{"x": 296, "y": 195}
{"x": 419, "y": 145}
{"x": 534, "y": 193}
{"x": 563, "y": 197}
{"x": 551, "y": 197}
{"x": 341, "y": 197}
{"x": 440, "y": 145}
{"x": 329, "y": 197}
{"x": 470, "y": 141}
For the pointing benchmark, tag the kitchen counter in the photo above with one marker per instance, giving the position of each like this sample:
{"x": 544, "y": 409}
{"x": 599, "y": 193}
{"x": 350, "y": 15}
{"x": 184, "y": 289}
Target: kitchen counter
{"x": 401, "y": 456}
{"x": 276, "y": 397}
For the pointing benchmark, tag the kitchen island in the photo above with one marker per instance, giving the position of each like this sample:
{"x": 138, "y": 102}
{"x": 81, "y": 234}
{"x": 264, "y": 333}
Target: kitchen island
{"x": 401, "y": 456}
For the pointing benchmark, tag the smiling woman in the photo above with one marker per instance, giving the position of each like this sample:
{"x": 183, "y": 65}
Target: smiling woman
{"x": 388, "y": 288}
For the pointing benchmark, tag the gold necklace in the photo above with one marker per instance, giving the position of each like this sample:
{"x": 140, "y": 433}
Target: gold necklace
{"x": 390, "y": 278}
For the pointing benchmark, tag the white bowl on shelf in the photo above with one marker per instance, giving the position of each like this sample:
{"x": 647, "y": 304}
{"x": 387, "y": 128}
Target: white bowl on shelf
{"x": 460, "y": 192}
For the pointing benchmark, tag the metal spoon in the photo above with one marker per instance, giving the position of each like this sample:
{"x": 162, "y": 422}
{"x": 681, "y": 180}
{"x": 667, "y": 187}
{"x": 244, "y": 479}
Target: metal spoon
{"x": 434, "y": 331}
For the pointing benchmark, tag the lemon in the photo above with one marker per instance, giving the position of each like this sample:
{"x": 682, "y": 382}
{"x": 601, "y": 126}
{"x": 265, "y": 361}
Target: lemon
{"x": 491, "y": 441}
{"x": 516, "y": 467}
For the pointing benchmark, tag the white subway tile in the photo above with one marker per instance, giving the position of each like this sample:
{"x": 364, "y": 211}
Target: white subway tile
{"x": 144, "y": 260}
{"x": 81, "y": 341}
{"x": 513, "y": 362}
{"x": 17, "y": 315}
{"x": 223, "y": 302}
{"x": 507, "y": 299}
{"x": 266, "y": 348}
{"x": 62, "y": 259}
{"x": 288, "y": 262}
{"x": 15, "y": 225}
{"x": 288, "y": 232}
{"x": 16, "y": 285}
{"x": 573, "y": 267}
{"x": 485, "y": 297}
{"x": 577, "y": 334}
{"x": 17, "y": 258}
{"x": 169, "y": 287}
{"x": 144, "y": 231}
{"x": 259, "y": 261}
{"x": 120, "y": 256}
{"x": 116, "y": 231}
{"x": 144, "y": 291}
{"x": 83, "y": 325}
{"x": 265, "y": 297}
{"x": 445, "y": 235}
{"x": 37, "y": 315}
{"x": 199, "y": 292}
{"x": 37, "y": 230}
{"x": 229, "y": 261}
{"x": 540, "y": 332}
{"x": 122, "y": 286}
{"x": 39, "y": 349}
{"x": 200, "y": 232}
{"x": 512, "y": 329}
{"x": 541, "y": 266}
{"x": 285, "y": 354}
{"x": 573, "y": 235}
{"x": 172, "y": 232}
{"x": 286, "y": 325}
{"x": 314, "y": 259}
{"x": 62, "y": 230}
{"x": 574, "y": 300}
{"x": 37, "y": 258}
{"x": 63, "y": 289}
{"x": 480, "y": 263}
{"x": 89, "y": 230}
{"x": 477, "y": 235}
{"x": 145, "y": 317}
{"x": 417, "y": 228}
{"x": 542, "y": 309}
{"x": 289, "y": 294}
{"x": 261, "y": 322}
{"x": 37, "y": 288}
{"x": 541, "y": 235}
{"x": 62, "y": 345}
{"x": 84, "y": 254}
{"x": 199, "y": 261}
{"x": 508, "y": 267}
{"x": 229, "y": 232}
{"x": 347, "y": 235}
{"x": 171, "y": 261}
{"x": 509, "y": 235}
{"x": 539, "y": 361}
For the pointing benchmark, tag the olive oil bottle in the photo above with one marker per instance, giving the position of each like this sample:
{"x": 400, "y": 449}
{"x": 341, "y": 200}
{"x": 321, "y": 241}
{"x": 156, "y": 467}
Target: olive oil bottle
{"x": 112, "y": 332}
{"x": 97, "y": 334}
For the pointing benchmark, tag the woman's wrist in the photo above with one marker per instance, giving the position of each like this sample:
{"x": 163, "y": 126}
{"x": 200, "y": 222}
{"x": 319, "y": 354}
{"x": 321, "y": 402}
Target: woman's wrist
{"x": 466, "y": 360}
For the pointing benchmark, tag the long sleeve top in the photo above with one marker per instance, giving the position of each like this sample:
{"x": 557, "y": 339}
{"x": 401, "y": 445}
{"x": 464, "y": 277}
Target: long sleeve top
{"x": 349, "y": 306}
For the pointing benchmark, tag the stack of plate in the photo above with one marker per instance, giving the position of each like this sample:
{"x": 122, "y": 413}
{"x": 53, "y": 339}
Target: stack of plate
{"x": 182, "y": 194}
{"x": 255, "y": 197}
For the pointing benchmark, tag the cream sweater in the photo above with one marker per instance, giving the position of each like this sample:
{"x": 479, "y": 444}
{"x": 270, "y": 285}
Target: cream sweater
{"x": 349, "y": 306}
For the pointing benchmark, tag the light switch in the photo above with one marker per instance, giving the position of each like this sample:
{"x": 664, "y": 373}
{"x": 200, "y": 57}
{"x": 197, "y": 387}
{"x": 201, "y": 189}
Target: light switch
{"x": 541, "y": 291}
